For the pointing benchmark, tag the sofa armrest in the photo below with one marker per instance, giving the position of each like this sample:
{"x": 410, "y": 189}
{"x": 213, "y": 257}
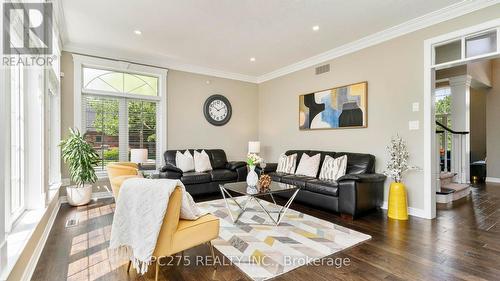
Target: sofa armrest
{"x": 360, "y": 192}
{"x": 169, "y": 175}
{"x": 170, "y": 167}
{"x": 363, "y": 177}
{"x": 234, "y": 165}
{"x": 270, "y": 167}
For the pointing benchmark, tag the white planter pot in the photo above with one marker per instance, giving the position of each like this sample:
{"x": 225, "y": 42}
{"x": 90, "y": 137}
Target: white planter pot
{"x": 78, "y": 196}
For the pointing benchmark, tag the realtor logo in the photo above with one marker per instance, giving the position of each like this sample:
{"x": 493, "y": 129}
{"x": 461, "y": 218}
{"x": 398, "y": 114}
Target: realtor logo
{"x": 27, "y": 28}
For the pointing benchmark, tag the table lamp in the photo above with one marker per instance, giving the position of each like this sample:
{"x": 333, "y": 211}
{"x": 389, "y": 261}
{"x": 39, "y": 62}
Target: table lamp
{"x": 138, "y": 156}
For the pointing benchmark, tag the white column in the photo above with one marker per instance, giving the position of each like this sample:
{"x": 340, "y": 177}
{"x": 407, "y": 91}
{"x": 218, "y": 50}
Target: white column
{"x": 460, "y": 121}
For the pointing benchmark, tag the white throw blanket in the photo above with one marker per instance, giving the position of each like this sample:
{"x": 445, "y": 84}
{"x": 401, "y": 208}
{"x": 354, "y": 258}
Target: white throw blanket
{"x": 140, "y": 209}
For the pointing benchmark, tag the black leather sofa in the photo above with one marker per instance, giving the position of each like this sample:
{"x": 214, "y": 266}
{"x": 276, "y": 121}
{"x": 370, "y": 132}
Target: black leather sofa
{"x": 207, "y": 182}
{"x": 359, "y": 191}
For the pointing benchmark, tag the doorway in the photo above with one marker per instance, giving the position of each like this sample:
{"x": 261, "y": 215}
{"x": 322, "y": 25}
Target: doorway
{"x": 455, "y": 49}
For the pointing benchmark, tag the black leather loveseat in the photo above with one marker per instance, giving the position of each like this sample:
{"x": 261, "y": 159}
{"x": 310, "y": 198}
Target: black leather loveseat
{"x": 359, "y": 191}
{"x": 207, "y": 182}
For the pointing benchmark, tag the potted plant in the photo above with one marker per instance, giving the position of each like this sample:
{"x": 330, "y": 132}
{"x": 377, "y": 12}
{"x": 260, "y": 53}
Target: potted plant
{"x": 81, "y": 158}
{"x": 396, "y": 166}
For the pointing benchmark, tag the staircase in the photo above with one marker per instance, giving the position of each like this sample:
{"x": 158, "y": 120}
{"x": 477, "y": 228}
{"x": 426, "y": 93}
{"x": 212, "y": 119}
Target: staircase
{"x": 449, "y": 190}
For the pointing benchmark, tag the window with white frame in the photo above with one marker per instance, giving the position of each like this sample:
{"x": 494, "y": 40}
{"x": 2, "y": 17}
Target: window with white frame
{"x": 119, "y": 113}
{"x": 17, "y": 142}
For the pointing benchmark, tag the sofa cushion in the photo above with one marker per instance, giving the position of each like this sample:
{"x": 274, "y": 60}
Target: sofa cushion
{"x": 359, "y": 163}
{"x": 184, "y": 161}
{"x": 223, "y": 175}
{"x": 296, "y": 180}
{"x": 195, "y": 177}
{"x": 276, "y": 176}
{"x": 202, "y": 162}
{"x": 327, "y": 187}
{"x": 333, "y": 168}
{"x": 218, "y": 158}
{"x": 287, "y": 163}
{"x": 308, "y": 165}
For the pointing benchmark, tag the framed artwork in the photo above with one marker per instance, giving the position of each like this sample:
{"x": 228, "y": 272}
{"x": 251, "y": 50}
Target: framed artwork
{"x": 336, "y": 108}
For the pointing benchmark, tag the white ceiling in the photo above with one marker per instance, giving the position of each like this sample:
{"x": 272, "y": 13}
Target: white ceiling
{"x": 223, "y": 35}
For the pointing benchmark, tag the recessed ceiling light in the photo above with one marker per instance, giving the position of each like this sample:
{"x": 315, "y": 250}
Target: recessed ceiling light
{"x": 252, "y": 59}
{"x": 315, "y": 28}
{"x": 137, "y": 32}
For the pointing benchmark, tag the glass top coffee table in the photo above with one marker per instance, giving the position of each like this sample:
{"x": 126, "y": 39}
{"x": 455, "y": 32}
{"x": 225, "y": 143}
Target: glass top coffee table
{"x": 251, "y": 194}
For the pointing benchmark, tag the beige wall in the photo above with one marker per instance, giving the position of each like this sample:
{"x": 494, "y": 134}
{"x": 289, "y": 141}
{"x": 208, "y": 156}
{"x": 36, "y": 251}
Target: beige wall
{"x": 187, "y": 127}
{"x": 394, "y": 71}
{"x": 492, "y": 123}
{"x": 477, "y": 124}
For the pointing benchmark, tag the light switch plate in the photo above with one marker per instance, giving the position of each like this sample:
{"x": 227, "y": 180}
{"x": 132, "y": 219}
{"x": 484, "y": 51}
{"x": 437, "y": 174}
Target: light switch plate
{"x": 415, "y": 107}
{"x": 413, "y": 125}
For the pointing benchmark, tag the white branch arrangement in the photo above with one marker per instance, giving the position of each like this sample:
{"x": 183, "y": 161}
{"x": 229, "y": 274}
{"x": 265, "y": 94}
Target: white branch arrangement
{"x": 398, "y": 159}
{"x": 253, "y": 159}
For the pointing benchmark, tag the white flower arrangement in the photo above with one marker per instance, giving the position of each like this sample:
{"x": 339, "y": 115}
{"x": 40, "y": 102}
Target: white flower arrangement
{"x": 398, "y": 159}
{"x": 253, "y": 159}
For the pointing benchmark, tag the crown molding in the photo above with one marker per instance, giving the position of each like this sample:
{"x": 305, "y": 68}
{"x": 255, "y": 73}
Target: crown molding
{"x": 438, "y": 16}
{"x": 158, "y": 61}
{"x": 435, "y": 17}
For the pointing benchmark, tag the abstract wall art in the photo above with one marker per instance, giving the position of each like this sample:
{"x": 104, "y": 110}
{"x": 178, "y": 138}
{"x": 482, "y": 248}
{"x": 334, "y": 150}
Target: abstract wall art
{"x": 336, "y": 108}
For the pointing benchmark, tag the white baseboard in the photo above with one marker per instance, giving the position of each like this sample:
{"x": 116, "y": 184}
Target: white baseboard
{"x": 416, "y": 212}
{"x": 31, "y": 266}
{"x": 493, "y": 180}
{"x": 95, "y": 196}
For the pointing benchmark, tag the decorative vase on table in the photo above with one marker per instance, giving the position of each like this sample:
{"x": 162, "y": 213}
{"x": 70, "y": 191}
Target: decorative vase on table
{"x": 252, "y": 177}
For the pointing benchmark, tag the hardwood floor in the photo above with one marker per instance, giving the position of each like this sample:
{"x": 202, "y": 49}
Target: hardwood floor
{"x": 462, "y": 243}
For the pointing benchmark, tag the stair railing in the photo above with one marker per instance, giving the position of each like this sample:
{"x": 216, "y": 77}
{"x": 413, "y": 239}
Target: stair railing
{"x": 458, "y": 161}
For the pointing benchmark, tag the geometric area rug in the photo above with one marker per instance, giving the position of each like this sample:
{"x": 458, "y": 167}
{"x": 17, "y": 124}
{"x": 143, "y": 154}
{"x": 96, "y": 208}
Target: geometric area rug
{"x": 263, "y": 251}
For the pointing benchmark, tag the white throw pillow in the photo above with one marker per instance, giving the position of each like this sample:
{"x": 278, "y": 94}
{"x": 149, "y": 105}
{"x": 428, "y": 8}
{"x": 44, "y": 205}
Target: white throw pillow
{"x": 286, "y": 164}
{"x": 308, "y": 165}
{"x": 184, "y": 161}
{"x": 333, "y": 168}
{"x": 202, "y": 162}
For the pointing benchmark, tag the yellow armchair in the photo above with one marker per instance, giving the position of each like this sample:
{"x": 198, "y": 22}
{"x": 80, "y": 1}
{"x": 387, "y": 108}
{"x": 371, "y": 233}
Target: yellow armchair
{"x": 177, "y": 235}
{"x": 118, "y": 172}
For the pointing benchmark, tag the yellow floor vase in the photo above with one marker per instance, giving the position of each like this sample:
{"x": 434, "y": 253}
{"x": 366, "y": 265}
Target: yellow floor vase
{"x": 398, "y": 204}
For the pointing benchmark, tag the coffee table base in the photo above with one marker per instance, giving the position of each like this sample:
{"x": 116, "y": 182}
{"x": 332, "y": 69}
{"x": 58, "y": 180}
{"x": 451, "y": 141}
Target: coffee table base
{"x": 281, "y": 213}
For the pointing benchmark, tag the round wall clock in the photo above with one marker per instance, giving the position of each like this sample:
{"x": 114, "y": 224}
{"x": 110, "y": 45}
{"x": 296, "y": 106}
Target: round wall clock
{"x": 217, "y": 110}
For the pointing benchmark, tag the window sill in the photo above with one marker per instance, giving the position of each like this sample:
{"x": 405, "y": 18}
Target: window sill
{"x": 17, "y": 240}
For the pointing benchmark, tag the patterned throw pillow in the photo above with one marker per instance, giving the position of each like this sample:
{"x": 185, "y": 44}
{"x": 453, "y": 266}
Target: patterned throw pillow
{"x": 308, "y": 165}
{"x": 184, "y": 161}
{"x": 333, "y": 168}
{"x": 202, "y": 162}
{"x": 286, "y": 164}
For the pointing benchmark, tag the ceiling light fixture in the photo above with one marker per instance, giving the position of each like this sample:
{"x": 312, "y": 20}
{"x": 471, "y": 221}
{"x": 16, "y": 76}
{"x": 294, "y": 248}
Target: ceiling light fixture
{"x": 315, "y": 28}
{"x": 252, "y": 59}
{"x": 137, "y": 32}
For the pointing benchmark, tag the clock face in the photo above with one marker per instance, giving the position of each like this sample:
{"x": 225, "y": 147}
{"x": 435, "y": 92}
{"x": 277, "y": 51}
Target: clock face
{"x": 217, "y": 110}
